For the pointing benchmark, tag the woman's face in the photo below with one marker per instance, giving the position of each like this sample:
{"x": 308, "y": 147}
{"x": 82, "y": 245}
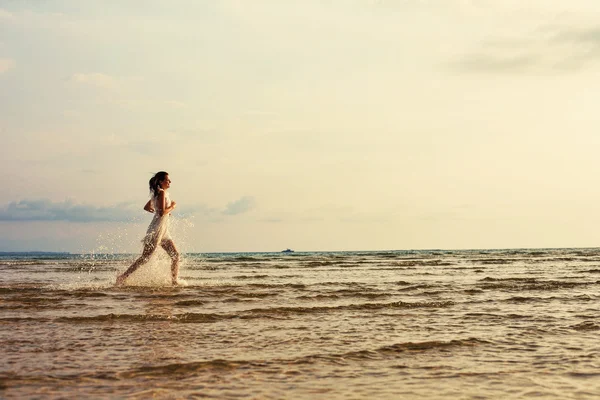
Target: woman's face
{"x": 165, "y": 183}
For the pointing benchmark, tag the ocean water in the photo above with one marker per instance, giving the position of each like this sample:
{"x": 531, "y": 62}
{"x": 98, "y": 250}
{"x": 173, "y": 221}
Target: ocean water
{"x": 481, "y": 324}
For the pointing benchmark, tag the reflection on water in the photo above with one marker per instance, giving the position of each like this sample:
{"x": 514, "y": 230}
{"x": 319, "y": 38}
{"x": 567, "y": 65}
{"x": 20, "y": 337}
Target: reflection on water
{"x": 156, "y": 352}
{"x": 426, "y": 324}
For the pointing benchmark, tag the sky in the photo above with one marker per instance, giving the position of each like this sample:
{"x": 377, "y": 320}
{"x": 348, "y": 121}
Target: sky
{"x": 319, "y": 125}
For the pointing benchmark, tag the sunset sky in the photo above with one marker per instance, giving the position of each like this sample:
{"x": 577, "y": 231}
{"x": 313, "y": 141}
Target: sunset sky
{"x": 313, "y": 125}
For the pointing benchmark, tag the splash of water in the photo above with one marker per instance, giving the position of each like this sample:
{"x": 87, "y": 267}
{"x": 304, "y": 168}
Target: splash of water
{"x": 156, "y": 272}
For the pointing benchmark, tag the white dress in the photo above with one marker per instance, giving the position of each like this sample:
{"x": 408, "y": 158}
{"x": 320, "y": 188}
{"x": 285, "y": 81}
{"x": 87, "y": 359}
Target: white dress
{"x": 158, "y": 230}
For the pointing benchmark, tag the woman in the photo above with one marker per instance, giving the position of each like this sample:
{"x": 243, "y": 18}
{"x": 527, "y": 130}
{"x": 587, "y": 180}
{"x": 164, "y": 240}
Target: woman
{"x": 158, "y": 232}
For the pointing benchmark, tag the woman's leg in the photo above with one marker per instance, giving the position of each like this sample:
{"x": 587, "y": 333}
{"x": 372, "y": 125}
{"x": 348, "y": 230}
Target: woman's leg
{"x": 171, "y": 250}
{"x": 146, "y": 253}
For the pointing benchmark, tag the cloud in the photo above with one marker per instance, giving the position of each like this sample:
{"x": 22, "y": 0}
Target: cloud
{"x": 240, "y": 206}
{"x": 4, "y": 14}
{"x": 489, "y": 62}
{"x": 586, "y": 35}
{"x": 70, "y": 211}
{"x": 175, "y": 104}
{"x": 583, "y": 42}
{"x": 46, "y": 210}
{"x": 272, "y": 220}
{"x": 6, "y": 64}
{"x": 94, "y": 79}
{"x": 548, "y": 49}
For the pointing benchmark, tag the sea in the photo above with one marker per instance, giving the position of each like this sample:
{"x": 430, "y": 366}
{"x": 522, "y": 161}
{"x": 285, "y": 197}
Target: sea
{"x": 426, "y": 324}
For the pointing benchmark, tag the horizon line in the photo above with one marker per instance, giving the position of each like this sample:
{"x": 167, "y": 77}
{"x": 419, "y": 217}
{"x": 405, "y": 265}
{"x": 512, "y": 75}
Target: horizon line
{"x": 306, "y": 251}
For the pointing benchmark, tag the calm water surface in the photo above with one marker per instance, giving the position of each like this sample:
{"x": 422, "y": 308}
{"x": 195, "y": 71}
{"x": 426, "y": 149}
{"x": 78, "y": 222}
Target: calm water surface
{"x": 400, "y": 324}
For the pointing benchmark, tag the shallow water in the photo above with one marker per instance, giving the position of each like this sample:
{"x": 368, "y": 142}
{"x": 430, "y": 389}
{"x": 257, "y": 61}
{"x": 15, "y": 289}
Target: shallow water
{"x": 400, "y": 324}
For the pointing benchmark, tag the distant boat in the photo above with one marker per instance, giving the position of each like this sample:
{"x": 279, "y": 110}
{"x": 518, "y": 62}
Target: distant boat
{"x": 287, "y": 251}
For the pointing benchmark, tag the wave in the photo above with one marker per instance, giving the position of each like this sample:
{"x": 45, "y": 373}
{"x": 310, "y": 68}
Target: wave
{"x": 279, "y": 285}
{"x": 257, "y": 313}
{"x": 185, "y": 317}
{"x": 494, "y": 261}
{"x": 533, "y": 284}
{"x": 417, "y": 287}
{"x": 482, "y": 316}
{"x": 279, "y": 311}
{"x": 244, "y": 258}
{"x": 190, "y": 303}
{"x": 586, "y": 326}
{"x": 344, "y": 294}
{"x": 524, "y": 299}
{"x": 18, "y": 290}
{"x": 430, "y": 345}
{"x": 23, "y": 263}
{"x": 490, "y": 279}
{"x": 422, "y": 263}
{"x": 242, "y": 277}
{"x": 274, "y": 365}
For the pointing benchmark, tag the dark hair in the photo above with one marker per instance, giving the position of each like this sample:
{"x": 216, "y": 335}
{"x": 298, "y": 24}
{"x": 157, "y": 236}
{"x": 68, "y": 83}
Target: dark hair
{"x": 155, "y": 182}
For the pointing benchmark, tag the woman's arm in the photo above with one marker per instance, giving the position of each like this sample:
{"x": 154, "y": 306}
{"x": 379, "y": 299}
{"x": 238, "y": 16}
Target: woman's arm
{"x": 162, "y": 209}
{"x": 148, "y": 206}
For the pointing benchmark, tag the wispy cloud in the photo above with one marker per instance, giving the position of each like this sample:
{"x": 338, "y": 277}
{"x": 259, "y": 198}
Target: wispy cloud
{"x": 584, "y": 44}
{"x": 4, "y": 14}
{"x": 71, "y": 211}
{"x": 548, "y": 49}
{"x": 497, "y": 63}
{"x": 175, "y": 104}
{"x": 580, "y": 35}
{"x": 240, "y": 206}
{"x": 94, "y": 79}
{"x": 46, "y": 210}
{"x": 272, "y": 220}
{"x": 6, "y": 64}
